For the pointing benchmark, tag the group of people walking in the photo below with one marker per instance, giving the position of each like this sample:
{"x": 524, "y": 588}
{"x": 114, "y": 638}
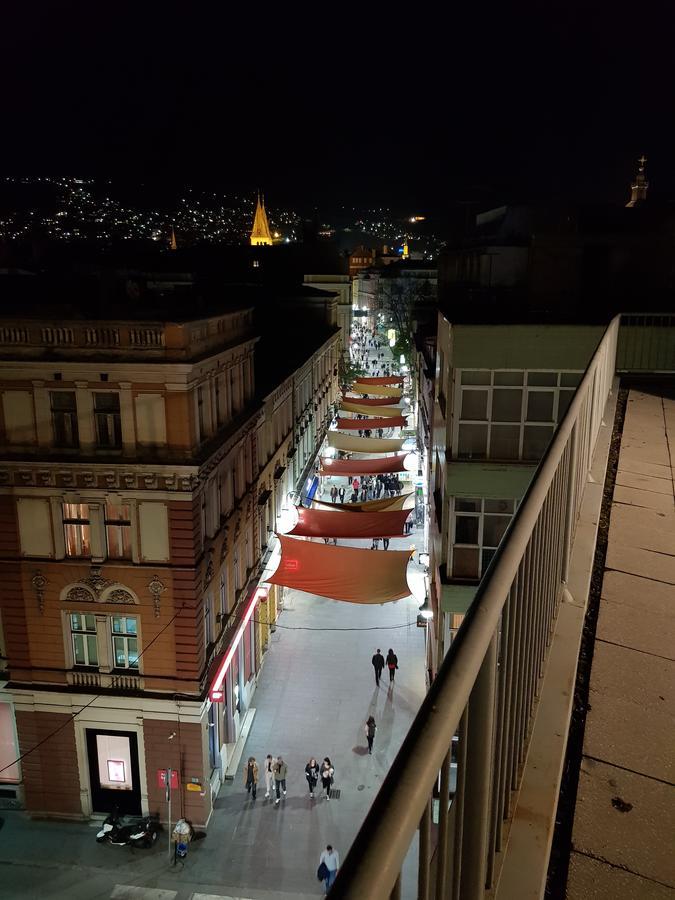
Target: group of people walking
{"x": 379, "y": 662}
{"x": 276, "y": 771}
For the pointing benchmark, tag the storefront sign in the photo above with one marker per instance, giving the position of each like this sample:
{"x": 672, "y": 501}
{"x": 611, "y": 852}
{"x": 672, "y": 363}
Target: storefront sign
{"x": 216, "y": 689}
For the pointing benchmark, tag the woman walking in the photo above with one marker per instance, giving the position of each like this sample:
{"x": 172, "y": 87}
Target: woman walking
{"x": 392, "y": 664}
{"x": 312, "y": 776}
{"x": 370, "y": 732}
{"x": 251, "y": 776}
{"x": 327, "y": 773}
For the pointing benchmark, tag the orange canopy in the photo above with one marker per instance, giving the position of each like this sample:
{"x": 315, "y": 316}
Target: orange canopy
{"x": 342, "y": 573}
{"x": 388, "y": 412}
{"x": 376, "y": 390}
{"x": 361, "y": 424}
{"x": 368, "y": 505}
{"x": 326, "y": 523}
{"x": 377, "y": 466}
{"x": 382, "y": 379}
{"x": 370, "y": 401}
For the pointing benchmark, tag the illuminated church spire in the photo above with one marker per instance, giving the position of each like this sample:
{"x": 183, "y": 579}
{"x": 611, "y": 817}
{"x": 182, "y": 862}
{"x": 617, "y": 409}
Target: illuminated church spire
{"x": 638, "y": 188}
{"x": 260, "y": 234}
{"x": 173, "y": 245}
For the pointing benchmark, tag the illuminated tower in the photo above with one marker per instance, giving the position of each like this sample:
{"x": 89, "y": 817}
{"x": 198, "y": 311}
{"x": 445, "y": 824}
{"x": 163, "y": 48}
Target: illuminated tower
{"x": 638, "y": 188}
{"x": 406, "y": 249}
{"x": 260, "y": 234}
{"x": 172, "y": 241}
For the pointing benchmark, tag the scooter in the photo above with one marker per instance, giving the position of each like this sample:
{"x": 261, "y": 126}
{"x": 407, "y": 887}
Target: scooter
{"x": 139, "y": 833}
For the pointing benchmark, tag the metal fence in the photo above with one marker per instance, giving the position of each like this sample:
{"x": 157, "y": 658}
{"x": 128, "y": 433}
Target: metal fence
{"x": 646, "y": 343}
{"x": 485, "y": 688}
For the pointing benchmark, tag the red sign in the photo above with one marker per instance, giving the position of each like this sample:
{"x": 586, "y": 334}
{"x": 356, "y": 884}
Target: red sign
{"x": 161, "y": 778}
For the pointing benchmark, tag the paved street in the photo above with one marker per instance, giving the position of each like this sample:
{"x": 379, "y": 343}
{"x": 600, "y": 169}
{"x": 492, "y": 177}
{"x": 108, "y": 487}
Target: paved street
{"x": 315, "y": 691}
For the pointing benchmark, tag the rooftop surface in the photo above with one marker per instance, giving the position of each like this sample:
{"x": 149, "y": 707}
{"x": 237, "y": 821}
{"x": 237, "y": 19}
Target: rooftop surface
{"x": 625, "y": 811}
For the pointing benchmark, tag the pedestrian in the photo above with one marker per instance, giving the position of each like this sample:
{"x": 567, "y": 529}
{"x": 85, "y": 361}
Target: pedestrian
{"x": 370, "y": 732}
{"x": 327, "y": 774}
{"x": 392, "y": 664}
{"x": 251, "y": 776}
{"x": 385, "y": 543}
{"x": 378, "y": 665}
{"x": 376, "y": 544}
{"x": 280, "y": 772}
{"x": 341, "y": 494}
{"x": 270, "y": 762}
{"x": 312, "y": 775}
{"x": 379, "y": 432}
{"x": 333, "y": 494}
{"x": 330, "y": 860}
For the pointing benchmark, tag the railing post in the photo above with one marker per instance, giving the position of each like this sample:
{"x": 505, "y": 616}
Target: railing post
{"x": 424, "y": 854}
{"x": 479, "y": 779}
{"x": 571, "y": 493}
{"x": 442, "y": 846}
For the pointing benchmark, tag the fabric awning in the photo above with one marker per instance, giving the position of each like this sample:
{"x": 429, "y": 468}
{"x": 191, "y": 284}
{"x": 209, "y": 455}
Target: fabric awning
{"x": 342, "y": 573}
{"x": 389, "y": 412}
{"x": 363, "y": 445}
{"x": 376, "y": 390}
{"x": 356, "y": 424}
{"x": 381, "y": 379}
{"x": 370, "y": 401}
{"x": 326, "y": 523}
{"x": 369, "y": 505}
{"x": 378, "y": 466}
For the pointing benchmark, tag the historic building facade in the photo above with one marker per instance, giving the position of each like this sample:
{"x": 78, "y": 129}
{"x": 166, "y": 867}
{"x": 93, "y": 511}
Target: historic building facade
{"x": 140, "y": 476}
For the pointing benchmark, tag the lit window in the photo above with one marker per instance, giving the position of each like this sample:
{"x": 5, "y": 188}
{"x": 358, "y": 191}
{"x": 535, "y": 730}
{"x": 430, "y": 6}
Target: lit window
{"x": 77, "y": 529}
{"x": 118, "y": 531}
{"x": 83, "y": 637}
{"x": 125, "y": 642}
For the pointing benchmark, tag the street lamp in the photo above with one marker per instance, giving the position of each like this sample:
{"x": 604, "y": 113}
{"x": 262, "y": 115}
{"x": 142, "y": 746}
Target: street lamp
{"x": 425, "y": 609}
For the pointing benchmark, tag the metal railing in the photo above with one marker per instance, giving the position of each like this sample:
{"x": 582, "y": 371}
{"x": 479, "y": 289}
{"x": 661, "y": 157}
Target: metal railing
{"x": 485, "y": 688}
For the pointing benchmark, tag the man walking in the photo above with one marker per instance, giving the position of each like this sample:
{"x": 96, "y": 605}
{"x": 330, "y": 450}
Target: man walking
{"x": 331, "y": 861}
{"x": 280, "y": 772}
{"x": 378, "y": 665}
{"x": 270, "y": 762}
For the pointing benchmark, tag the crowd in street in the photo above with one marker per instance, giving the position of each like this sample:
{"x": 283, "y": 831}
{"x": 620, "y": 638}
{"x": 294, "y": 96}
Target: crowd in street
{"x": 275, "y": 770}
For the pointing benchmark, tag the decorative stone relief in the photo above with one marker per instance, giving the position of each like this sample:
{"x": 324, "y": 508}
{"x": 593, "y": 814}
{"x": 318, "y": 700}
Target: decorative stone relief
{"x": 80, "y": 594}
{"x": 208, "y": 575}
{"x": 45, "y": 478}
{"x": 150, "y": 481}
{"x": 96, "y": 581}
{"x": 119, "y": 595}
{"x": 156, "y": 588}
{"x": 111, "y": 479}
{"x": 129, "y": 479}
{"x": 39, "y": 583}
{"x": 88, "y": 478}
{"x": 68, "y": 478}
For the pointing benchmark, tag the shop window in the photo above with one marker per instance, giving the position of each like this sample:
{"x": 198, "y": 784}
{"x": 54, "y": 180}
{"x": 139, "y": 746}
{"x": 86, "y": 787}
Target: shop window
{"x": 77, "y": 529}
{"x": 118, "y": 531}
{"x": 108, "y": 420}
{"x": 64, "y": 418}
{"x": 125, "y": 642}
{"x": 83, "y": 638}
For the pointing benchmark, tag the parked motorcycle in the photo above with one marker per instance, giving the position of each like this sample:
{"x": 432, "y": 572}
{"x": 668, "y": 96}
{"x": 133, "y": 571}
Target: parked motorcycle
{"x": 137, "y": 833}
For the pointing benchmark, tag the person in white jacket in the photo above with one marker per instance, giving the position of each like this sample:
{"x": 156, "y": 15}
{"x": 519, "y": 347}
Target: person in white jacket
{"x": 269, "y": 773}
{"x": 331, "y": 859}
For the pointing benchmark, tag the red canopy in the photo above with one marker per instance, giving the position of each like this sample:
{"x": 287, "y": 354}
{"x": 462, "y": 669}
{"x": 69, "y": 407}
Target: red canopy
{"x": 383, "y": 379}
{"x": 371, "y": 401}
{"x": 356, "y": 424}
{"x": 326, "y": 523}
{"x": 368, "y": 505}
{"x": 342, "y": 573}
{"x": 377, "y": 466}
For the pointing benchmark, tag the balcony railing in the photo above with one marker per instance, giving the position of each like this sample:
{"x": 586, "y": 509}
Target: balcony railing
{"x": 485, "y": 689}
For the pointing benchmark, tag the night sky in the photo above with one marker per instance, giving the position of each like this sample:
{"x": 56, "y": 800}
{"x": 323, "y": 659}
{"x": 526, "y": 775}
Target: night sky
{"x": 342, "y": 104}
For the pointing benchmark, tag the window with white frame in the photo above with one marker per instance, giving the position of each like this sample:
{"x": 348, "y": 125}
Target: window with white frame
{"x": 83, "y": 639}
{"x": 118, "y": 531}
{"x": 478, "y": 527}
{"x": 509, "y": 414}
{"x": 125, "y": 642}
{"x": 76, "y": 529}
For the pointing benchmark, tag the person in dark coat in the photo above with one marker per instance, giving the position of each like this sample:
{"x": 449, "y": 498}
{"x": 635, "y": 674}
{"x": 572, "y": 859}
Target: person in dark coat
{"x": 312, "y": 776}
{"x": 370, "y": 732}
{"x": 378, "y": 665}
{"x": 392, "y": 664}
